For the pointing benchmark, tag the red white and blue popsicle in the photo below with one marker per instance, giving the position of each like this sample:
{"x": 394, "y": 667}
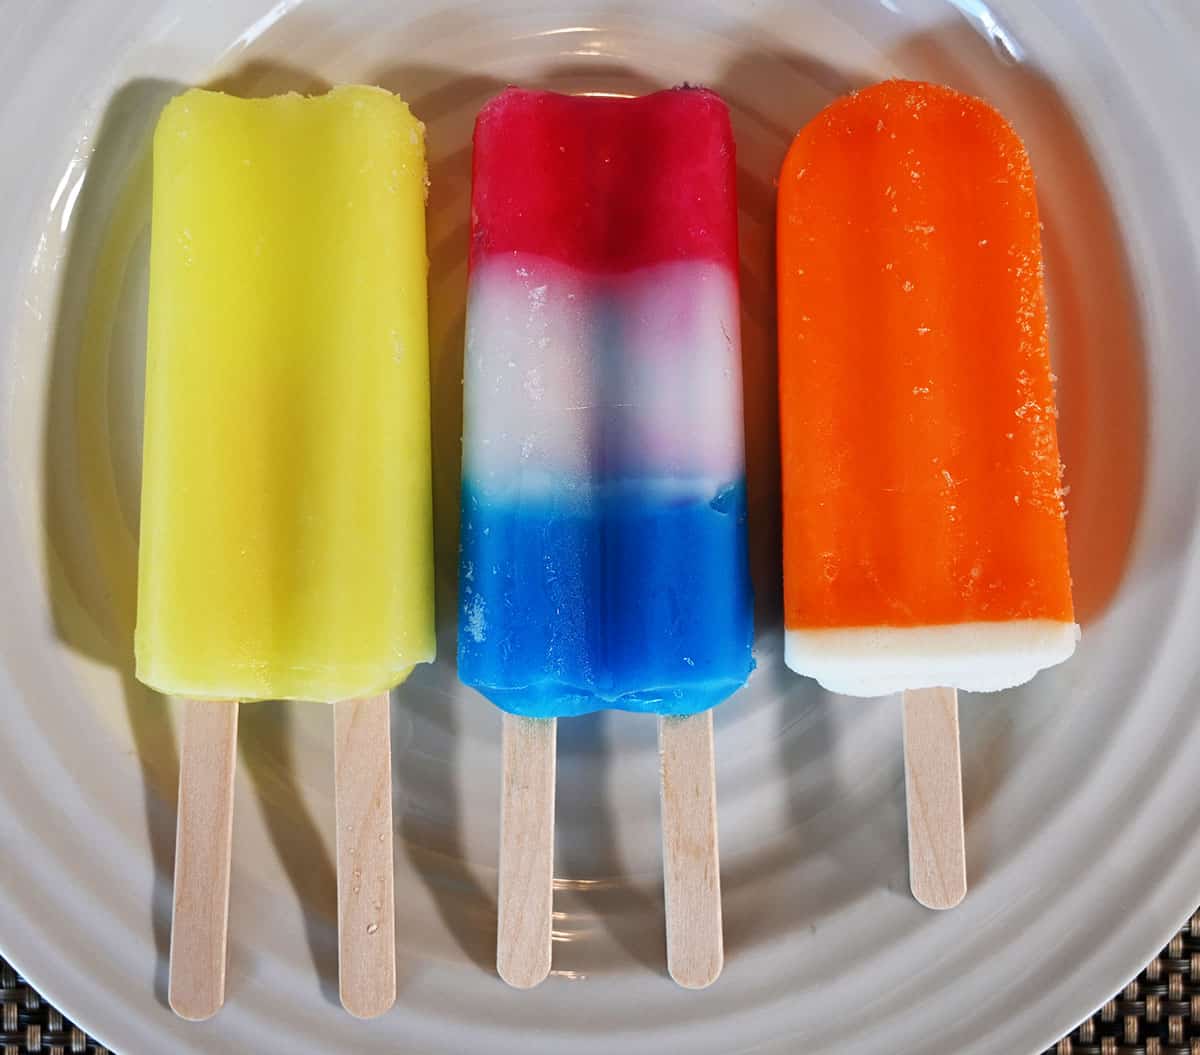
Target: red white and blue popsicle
{"x": 604, "y": 555}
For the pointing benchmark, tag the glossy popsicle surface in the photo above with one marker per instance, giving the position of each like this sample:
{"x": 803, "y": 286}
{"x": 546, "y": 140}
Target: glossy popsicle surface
{"x": 603, "y": 526}
{"x": 924, "y": 526}
{"x": 286, "y": 526}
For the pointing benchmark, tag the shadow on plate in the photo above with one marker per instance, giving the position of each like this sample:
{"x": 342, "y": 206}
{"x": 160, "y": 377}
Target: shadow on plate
{"x": 427, "y": 771}
{"x": 91, "y": 465}
{"x": 588, "y": 867}
{"x": 265, "y": 742}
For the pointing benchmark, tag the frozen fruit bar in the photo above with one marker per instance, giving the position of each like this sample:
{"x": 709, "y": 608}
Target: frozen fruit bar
{"x": 924, "y": 540}
{"x": 604, "y": 511}
{"x": 286, "y": 528}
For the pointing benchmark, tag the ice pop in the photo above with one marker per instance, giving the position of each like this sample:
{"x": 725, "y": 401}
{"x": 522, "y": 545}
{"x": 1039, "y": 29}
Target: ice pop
{"x": 286, "y": 546}
{"x": 286, "y": 523}
{"x": 604, "y": 555}
{"x": 604, "y": 530}
{"x": 924, "y": 529}
{"x": 924, "y": 538}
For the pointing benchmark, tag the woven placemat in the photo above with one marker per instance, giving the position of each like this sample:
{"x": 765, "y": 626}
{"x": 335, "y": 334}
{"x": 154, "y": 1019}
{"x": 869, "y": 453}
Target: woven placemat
{"x": 1158, "y": 1013}
{"x": 29, "y": 1024}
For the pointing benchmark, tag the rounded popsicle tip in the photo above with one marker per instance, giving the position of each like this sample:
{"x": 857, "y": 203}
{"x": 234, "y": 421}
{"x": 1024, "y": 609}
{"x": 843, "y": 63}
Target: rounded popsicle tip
{"x": 908, "y": 110}
{"x": 899, "y": 98}
{"x": 521, "y": 969}
{"x": 192, "y": 1006}
{"x": 697, "y": 972}
{"x": 369, "y": 1002}
{"x": 947, "y": 893}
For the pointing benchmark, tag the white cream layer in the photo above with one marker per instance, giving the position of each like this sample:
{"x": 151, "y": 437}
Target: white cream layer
{"x": 589, "y": 376}
{"x": 975, "y": 657}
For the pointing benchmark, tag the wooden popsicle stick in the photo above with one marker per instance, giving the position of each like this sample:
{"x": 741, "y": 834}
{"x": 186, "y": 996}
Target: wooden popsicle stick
{"x": 524, "y": 929}
{"x": 362, "y": 760}
{"x": 937, "y": 857}
{"x": 691, "y": 858}
{"x": 203, "y": 845}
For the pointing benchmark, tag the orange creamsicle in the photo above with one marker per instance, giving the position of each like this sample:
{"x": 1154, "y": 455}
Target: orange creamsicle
{"x": 924, "y": 531}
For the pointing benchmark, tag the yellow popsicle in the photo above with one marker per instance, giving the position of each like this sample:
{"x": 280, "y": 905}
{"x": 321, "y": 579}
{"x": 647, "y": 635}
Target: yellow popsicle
{"x": 286, "y": 531}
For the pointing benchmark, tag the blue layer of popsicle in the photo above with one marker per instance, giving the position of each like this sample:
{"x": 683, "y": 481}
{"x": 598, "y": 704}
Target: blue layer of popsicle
{"x": 628, "y": 597}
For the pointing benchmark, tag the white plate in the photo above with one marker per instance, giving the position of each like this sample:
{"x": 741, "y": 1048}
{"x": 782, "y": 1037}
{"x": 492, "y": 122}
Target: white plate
{"x": 1084, "y": 825}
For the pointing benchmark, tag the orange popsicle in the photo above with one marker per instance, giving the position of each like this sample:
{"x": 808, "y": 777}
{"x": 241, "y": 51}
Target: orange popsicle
{"x": 924, "y": 533}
